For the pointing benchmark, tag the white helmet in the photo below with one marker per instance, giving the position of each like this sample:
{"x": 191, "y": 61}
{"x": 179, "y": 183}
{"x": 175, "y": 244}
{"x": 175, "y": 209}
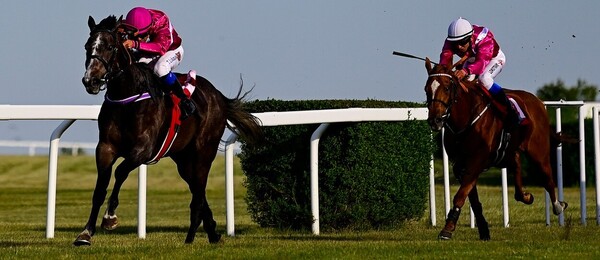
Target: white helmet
{"x": 459, "y": 29}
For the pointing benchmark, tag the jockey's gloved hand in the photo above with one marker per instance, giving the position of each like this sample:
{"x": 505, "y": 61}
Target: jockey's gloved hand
{"x": 130, "y": 44}
{"x": 460, "y": 74}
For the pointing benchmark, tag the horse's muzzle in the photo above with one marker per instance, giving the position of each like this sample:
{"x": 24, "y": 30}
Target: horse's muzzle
{"x": 92, "y": 85}
{"x": 435, "y": 123}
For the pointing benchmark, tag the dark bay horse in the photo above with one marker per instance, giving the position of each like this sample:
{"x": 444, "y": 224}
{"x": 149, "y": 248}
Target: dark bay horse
{"x": 135, "y": 130}
{"x": 474, "y": 133}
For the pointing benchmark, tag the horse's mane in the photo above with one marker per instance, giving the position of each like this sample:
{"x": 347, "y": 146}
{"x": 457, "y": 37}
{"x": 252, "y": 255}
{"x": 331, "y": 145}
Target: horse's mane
{"x": 145, "y": 78}
{"x": 108, "y": 23}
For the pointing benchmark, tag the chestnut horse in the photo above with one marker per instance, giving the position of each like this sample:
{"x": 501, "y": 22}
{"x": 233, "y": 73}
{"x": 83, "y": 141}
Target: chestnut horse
{"x": 475, "y": 140}
{"x": 135, "y": 130}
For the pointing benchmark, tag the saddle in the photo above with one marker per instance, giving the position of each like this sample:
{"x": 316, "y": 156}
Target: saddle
{"x": 505, "y": 136}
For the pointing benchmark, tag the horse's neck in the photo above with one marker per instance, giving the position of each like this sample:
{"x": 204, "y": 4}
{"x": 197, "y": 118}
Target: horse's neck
{"x": 130, "y": 82}
{"x": 119, "y": 89}
{"x": 466, "y": 108}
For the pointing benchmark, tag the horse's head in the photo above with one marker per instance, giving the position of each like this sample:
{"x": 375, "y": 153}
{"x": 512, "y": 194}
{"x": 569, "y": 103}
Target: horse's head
{"x": 102, "y": 54}
{"x": 441, "y": 88}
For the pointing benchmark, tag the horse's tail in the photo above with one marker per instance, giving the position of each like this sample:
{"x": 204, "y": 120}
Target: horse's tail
{"x": 557, "y": 139}
{"x": 241, "y": 122}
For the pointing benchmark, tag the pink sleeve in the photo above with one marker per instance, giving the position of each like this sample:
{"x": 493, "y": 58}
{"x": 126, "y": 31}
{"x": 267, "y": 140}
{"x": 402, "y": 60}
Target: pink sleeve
{"x": 485, "y": 53}
{"x": 160, "y": 43}
{"x": 447, "y": 54}
{"x": 161, "y": 37}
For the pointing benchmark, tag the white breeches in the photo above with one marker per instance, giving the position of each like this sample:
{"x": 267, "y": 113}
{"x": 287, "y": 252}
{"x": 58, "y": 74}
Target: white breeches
{"x": 168, "y": 62}
{"x": 492, "y": 70}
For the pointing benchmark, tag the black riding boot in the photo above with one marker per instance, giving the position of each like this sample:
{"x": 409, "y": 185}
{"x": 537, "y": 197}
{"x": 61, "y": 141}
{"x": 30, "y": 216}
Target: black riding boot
{"x": 186, "y": 105}
{"x": 512, "y": 119}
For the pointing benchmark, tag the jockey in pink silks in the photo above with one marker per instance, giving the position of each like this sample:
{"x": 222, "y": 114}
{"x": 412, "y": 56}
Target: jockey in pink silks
{"x": 156, "y": 37}
{"x": 486, "y": 59}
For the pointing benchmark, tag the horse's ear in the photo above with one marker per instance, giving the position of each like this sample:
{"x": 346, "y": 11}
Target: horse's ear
{"x": 427, "y": 64}
{"x": 120, "y": 19}
{"x": 91, "y": 23}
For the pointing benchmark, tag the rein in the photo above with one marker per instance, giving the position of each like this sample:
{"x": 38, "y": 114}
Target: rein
{"x": 128, "y": 100}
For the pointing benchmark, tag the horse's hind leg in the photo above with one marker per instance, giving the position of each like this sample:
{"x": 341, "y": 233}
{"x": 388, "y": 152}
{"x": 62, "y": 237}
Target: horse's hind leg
{"x": 110, "y": 220}
{"x": 200, "y": 212}
{"x": 195, "y": 172}
{"x": 543, "y": 165}
{"x": 209, "y": 224}
{"x": 482, "y": 225}
{"x": 520, "y": 195}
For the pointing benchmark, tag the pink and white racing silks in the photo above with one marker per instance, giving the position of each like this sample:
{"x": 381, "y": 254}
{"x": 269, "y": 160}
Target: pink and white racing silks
{"x": 483, "y": 47}
{"x": 163, "y": 36}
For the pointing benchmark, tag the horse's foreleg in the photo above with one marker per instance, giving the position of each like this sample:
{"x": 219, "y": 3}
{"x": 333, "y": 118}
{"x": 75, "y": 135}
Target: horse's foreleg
{"x": 468, "y": 180}
{"x": 482, "y": 225}
{"x": 110, "y": 220}
{"x": 104, "y": 166}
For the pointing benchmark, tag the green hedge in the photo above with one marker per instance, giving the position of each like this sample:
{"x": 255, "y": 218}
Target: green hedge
{"x": 371, "y": 174}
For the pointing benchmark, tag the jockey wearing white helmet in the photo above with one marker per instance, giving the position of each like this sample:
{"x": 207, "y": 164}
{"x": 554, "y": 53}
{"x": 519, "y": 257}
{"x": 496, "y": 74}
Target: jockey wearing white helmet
{"x": 486, "y": 59}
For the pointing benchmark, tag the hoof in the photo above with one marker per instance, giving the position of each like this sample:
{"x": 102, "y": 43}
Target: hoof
{"x": 189, "y": 239}
{"x": 82, "y": 242}
{"x": 84, "y": 239}
{"x": 528, "y": 198}
{"x": 559, "y": 207}
{"x": 445, "y": 235}
{"x": 214, "y": 238}
{"x": 110, "y": 222}
{"x": 484, "y": 235}
{"x": 484, "y": 231}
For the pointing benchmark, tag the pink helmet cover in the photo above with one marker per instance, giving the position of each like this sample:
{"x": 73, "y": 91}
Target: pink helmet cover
{"x": 140, "y": 18}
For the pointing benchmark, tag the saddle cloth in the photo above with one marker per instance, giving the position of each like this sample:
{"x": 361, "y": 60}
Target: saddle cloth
{"x": 517, "y": 108}
{"x": 188, "y": 88}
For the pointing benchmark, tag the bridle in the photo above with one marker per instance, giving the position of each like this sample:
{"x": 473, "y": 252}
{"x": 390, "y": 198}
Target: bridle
{"x": 447, "y": 105}
{"x": 452, "y": 100}
{"x": 110, "y": 74}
